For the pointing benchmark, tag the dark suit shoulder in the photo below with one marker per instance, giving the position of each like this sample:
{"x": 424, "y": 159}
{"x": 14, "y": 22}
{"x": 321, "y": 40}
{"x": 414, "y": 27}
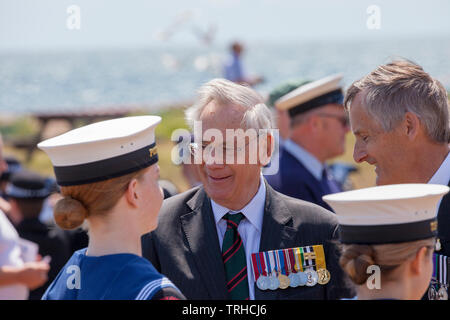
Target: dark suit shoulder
{"x": 177, "y": 204}
{"x": 304, "y": 212}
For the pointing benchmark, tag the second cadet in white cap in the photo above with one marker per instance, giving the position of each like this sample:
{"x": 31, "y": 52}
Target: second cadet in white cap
{"x": 318, "y": 128}
{"x": 108, "y": 174}
{"x": 388, "y": 235}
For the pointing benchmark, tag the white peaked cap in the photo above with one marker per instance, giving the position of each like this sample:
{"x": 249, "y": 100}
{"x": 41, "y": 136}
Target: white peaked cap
{"x": 103, "y": 150}
{"x": 311, "y": 95}
{"x": 387, "y": 214}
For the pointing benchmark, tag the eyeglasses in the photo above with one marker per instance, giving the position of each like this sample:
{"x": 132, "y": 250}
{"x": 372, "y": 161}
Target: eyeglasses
{"x": 228, "y": 153}
{"x": 342, "y": 119}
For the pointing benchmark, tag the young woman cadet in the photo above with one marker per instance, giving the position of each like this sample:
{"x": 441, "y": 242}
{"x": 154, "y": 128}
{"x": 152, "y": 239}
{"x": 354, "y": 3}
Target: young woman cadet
{"x": 108, "y": 174}
{"x": 388, "y": 237}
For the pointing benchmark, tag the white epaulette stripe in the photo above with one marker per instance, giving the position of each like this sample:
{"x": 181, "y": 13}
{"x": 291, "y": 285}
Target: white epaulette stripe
{"x": 153, "y": 291}
{"x": 151, "y": 286}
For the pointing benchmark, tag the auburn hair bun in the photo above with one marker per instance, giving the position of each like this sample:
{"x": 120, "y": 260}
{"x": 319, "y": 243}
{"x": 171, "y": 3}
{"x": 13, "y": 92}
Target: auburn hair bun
{"x": 69, "y": 213}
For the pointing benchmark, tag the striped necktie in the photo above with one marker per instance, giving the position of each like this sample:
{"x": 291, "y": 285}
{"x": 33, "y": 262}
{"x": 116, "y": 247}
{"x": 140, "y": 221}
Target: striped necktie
{"x": 233, "y": 255}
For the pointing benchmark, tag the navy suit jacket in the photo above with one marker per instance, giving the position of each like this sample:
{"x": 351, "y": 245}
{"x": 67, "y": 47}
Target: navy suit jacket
{"x": 294, "y": 180}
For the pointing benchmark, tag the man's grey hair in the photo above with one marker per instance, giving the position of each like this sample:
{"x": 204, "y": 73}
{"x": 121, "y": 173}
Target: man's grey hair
{"x": 402, "y": 86}
{"x": 226, "y": 93}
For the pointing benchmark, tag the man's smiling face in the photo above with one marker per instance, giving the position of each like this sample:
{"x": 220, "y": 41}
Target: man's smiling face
{"x": 384, "y": 150}
{"x": 227, "y": 183}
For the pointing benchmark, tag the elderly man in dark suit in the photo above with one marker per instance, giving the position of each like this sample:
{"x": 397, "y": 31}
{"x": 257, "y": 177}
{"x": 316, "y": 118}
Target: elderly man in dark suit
{"x": 399, "y": 116}
{"x": 206, "y": 236}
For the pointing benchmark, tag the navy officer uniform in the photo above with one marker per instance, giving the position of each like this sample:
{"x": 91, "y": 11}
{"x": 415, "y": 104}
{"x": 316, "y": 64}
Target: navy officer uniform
{"x": 301, "y": 175}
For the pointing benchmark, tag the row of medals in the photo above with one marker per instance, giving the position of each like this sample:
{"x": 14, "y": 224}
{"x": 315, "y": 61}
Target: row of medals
{"x": 309, "y": 278}
{"x": 441, "y": 293}
{"x": 437, "y": 294}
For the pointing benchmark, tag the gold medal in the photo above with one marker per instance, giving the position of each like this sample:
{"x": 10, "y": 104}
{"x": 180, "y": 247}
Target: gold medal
{"x": 284, "y": 281}
{"x": 324, "y": 276}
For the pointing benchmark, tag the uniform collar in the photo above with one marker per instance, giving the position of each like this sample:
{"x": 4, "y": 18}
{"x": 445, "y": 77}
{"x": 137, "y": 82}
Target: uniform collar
{"x": 314, "y": 166}
{"x": 442, "y": 175}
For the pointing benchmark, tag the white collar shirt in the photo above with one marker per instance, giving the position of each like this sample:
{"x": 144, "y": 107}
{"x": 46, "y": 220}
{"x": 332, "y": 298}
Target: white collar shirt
{"x": 249, "y": 228}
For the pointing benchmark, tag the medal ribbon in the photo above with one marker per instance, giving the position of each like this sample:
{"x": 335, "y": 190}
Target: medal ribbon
{"x": 434, "y": 267}
{"x": 308, "y": 254}
{"x": 281, "y": 261}
{"x": 298, "y": 259}
{"x": 302, "y": 257}
{"x": 320, "y": 257}
{"x": 262, "y": 258}
{"x": 287, "y": 258}
{"x": 256, "y": 267}
{"x": 292, "y": 261}
{"x": 267, "y": 257}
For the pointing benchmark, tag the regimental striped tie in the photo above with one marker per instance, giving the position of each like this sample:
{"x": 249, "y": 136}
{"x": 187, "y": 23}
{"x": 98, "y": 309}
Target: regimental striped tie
{"x": 233, "y": 255}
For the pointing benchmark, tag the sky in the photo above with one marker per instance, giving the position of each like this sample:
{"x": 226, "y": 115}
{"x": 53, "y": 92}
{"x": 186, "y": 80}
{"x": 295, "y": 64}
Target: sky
{"x": 42, "y": 24}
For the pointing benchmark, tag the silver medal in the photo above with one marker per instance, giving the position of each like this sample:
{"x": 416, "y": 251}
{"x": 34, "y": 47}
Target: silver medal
{"x": 303, "y": 278}
{"x": 432, "y": 294}
{"x": 312, "y": 277}
{"x": 274, "y": 283}
{"x": 442, "y": 294}
{"x": 294, "y": 280}
{"x": 262, "y": 282}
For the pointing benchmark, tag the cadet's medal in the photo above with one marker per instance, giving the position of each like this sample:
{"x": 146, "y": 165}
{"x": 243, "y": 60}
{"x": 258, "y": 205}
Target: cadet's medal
{"x": 432, "y": 292}
{"x": 442, "y": 276}
{"x": 442, "y": 293}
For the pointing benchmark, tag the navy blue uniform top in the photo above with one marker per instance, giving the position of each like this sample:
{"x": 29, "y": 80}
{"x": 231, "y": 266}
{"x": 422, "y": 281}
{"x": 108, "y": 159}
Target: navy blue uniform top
{"x": 121, "y": 276}
{"x": 295, "y": 180}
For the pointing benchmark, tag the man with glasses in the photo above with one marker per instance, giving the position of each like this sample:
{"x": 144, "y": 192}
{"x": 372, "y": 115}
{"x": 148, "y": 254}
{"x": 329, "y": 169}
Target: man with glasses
{"x": 318, "y": 128}
{"x": 213, "y": 241}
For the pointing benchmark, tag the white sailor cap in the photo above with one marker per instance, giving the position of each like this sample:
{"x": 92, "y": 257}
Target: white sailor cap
{"x": 103, "y": 150}
{"x": 312, "y": 95}
{"x": 387, "y": 214}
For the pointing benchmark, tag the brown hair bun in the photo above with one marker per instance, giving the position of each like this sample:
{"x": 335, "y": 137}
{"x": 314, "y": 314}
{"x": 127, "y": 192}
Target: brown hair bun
{"x": 69, "y": 213}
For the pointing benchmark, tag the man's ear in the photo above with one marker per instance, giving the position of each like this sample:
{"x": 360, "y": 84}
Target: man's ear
{"x": 131, "y": 193}
{"x": 411, "y": 125}
{"x": 266, "y": 147}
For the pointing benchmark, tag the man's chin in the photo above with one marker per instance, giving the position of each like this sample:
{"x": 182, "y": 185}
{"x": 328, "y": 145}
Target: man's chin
{"x": 217, "y": 194}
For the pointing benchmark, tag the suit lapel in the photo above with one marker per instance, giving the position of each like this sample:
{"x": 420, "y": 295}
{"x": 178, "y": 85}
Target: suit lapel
{"x": 201, "y": 234}
{"x": 276, "y": 233}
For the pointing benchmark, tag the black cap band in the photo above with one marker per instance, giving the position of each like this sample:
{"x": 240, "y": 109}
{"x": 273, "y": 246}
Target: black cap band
{"x": 107, "y": 168}
{"x": 335, "y": 96}
{"x": 383, "y": 234}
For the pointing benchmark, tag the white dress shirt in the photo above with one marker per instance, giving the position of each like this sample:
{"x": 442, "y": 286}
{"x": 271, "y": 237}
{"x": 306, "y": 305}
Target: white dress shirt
{"x": 10, "y": 255}
{"x": 249, "y": 228}
{"x": 442, "y": 175}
